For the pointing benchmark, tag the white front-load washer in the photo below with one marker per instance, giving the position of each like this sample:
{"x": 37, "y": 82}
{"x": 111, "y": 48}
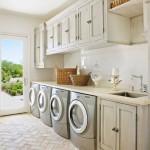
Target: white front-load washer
{"x": 43, "y": 104}
{"x": 82, "y": 119}
{"x": 33, "y": 92}
{"x": 59, "y": 104}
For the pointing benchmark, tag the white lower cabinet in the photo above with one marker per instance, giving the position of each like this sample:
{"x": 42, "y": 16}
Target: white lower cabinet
{"x": 118, "y": 126}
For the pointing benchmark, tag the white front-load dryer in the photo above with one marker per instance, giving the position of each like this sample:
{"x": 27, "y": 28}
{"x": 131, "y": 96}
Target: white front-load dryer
{"x": 33, "y": 92}
{"x": 43, "y": 104}
{"x": 82, "y": 119}
{"x": 59, "y": 104}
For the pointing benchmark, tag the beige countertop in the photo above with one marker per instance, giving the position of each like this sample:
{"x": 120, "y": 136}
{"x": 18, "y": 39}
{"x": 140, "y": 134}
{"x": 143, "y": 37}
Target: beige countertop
{"x": 103, "y": 93}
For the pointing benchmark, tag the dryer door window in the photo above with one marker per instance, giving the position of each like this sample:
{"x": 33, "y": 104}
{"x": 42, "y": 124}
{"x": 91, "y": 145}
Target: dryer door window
{"x": 32, "y": 96}
{"x": 42, "y": 101}
{"x": 77, "y": 116}
{"x": 56, "y": 107}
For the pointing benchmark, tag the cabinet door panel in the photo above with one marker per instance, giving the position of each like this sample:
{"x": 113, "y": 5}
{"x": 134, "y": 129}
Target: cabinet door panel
{"x": 126, "y": 123}
{"x": 108, "y": 122}
{"x": 64, "y": 31}
{"x": 84, "y": 17}
{"x": 72, "y": 21}
{"x": 37, "y": 47}
{"x": 50, "y": 37}
{"x": 56, "y": 36}
{"x": 39, "y": 35}
{"x": 42, "y": 46}
{"x": 96, "y": 25}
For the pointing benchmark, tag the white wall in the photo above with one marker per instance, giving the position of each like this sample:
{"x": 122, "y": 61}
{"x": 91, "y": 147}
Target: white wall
{"x": 130, "y": 60}
{"x": 23, "y": 25}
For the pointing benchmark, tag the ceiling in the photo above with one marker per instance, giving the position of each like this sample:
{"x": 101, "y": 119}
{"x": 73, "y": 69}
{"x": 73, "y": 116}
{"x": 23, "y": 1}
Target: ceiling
{"x": 35, "y": 8}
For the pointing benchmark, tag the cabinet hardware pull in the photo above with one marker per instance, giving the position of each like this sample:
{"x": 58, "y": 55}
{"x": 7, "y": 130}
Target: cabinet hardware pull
{"x": 89, "y": 21}
{"x": 67, "y": 31}
{"x": 51, "y": 37}
{"x": 114, "y": 129}
{"x": 38, "y": 47}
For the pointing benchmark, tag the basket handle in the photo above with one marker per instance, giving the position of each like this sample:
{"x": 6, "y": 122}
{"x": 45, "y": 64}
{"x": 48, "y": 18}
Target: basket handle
{"x": 89, "y": 73}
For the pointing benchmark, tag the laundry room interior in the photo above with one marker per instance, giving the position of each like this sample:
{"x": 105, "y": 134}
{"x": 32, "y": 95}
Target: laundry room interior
{"x": 75, "y": 75}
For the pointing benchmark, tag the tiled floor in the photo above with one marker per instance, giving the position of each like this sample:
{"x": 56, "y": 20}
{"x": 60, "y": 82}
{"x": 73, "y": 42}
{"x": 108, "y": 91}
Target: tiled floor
{"x": 25, "y": 132}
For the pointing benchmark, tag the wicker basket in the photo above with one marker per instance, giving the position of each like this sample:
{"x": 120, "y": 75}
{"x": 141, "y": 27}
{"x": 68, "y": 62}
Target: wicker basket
{"x": 62, "y": 75}
{"x": 80, "y": 80}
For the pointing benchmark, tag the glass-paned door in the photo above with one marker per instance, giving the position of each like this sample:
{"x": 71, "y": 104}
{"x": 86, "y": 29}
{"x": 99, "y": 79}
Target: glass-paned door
{"x": 13, "y": 51}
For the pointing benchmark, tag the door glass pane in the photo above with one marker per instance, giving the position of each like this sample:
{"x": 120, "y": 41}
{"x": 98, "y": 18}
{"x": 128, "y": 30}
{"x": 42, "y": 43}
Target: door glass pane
{"x": 31, "y": 96}
{"x": 41, "y": 101}
{"x": 55, "y": 107}
{"x": 11, "y": 74}
{"x": 77, "y": 116}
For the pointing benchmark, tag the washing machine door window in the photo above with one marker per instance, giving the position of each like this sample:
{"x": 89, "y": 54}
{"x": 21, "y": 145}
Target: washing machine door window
{"x": 42, "y": 101}
{"x": 77, "y": 116}
{"x": 56, "y": 107}
{"x": 32, "y": 96}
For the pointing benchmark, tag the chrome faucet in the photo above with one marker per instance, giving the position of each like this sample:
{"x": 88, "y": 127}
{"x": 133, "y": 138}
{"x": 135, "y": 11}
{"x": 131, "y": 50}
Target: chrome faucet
{"x": 143, "y": 86}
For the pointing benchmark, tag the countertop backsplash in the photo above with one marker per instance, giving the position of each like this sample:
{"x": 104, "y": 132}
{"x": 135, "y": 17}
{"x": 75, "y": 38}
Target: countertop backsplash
{"x": 129, "y": 59}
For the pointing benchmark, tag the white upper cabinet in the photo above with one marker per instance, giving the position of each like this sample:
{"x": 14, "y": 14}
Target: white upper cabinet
{"x": 39, "y": 45}
{"x": 96, "y": 20}
{"x": 65, "y": 31}
{"x": 57, "y": 35}
{"x": 91, "y": 21}
{"x": 41, "y": 37}
{"x": 84, "y": 21}
{"x": 72, "y": 28}
{"x": 92, "y": 24}
{"x": 69, "y": 30}
{"x": 50, "y": 37}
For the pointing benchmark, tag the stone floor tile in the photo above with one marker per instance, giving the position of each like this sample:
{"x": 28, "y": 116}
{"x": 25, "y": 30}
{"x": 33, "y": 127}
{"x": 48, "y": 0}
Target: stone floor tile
{"x": 26, "y": 132}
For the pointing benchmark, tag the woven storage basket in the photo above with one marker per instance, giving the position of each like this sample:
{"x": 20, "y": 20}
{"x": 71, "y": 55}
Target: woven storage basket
{"x": 62, "y": 75}
{"x": 80, "y": 80}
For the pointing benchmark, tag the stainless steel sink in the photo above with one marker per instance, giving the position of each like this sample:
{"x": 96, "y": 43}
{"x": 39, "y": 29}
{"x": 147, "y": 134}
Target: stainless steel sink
{"x": 128, "y": 94}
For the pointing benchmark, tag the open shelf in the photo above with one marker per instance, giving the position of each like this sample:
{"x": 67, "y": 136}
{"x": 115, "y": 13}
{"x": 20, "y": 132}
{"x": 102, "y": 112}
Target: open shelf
{"x": 129, "y": 9}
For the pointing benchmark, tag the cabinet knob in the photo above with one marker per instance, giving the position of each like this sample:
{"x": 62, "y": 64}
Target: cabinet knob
{"x": 51, "y": 37}
{"x": 38, "y": 47}
{"x": 114, "y": 129}
{"x": 89, "y": 21}
{"x": 67, "y": 31}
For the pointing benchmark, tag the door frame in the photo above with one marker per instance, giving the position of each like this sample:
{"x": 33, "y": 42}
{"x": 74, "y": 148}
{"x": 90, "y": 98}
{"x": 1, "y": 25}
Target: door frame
{"x": 26, "y": 71}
